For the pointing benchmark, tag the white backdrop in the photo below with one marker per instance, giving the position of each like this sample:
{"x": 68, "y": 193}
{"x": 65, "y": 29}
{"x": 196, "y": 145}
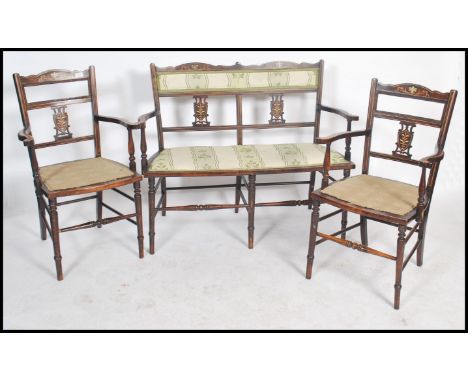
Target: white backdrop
{"x": 124, "y": 89}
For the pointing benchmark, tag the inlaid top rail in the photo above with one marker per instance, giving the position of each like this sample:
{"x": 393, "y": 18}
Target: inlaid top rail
{"x": 413, "y": 91}
{"x": 54, "y": 76}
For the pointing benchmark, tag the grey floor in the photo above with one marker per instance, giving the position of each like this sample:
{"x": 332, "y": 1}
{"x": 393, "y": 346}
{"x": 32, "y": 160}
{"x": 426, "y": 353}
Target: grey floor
{"x": 204, "y": 277}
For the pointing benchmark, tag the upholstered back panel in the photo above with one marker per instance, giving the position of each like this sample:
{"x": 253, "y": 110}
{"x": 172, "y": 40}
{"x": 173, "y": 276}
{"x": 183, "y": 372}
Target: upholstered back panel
{"x": 237, "y": 81}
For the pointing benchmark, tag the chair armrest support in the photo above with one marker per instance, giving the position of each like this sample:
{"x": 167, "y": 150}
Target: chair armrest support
{"x": 340, "y": 112}
{"x": 328, "y": 141}
{"x": 130, "y": 127}
{"x": 119, "y": 121}
{"x": 142, "y": 119}
{"x": 338, "y": 136}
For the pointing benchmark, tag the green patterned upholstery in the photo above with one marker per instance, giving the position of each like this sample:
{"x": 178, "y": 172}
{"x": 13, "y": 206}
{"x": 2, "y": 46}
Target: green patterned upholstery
{"x": 246, "y": 157}
{"x": 232, "y": 81}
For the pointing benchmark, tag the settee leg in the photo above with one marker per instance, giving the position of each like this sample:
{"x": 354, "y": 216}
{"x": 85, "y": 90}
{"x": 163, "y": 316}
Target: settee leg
{"x": 251, "y": 226}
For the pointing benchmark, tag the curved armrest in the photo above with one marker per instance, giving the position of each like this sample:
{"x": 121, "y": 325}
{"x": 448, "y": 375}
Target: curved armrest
{"x": 25, "y": 137}
{"x": 119, "y": 121}
{"x": 346, "y": 134}
{"x": 341, "y": 113}
{"x": 144, "y": 118}
{"x": 434, "y": 158}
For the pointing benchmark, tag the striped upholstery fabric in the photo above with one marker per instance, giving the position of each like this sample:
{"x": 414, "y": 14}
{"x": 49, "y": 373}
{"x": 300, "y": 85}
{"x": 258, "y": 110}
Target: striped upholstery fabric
{"x": 244, "y": 81}
{"x": 214, "y": 158}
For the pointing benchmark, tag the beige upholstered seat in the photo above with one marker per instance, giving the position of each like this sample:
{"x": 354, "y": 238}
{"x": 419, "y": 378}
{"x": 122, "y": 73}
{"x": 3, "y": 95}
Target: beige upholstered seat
{"x": 376, "y": 193}
{"x": 82, "y": 173}
{"x": 258, "y": 157}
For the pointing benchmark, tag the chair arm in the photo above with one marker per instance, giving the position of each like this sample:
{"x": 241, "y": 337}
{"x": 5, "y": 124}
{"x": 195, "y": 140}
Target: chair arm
{"x": 340, "y": 112}
{"x": 25, "y": 137}
{"x": 431, "y": 159}
{"x": 347, "y": 134}
{"x": 119, "y": 121}
{"x": 145, "y": 117}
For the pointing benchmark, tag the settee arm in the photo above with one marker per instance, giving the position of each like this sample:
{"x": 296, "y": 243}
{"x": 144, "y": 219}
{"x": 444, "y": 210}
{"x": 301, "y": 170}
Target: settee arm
{"x": 342, "y": 113}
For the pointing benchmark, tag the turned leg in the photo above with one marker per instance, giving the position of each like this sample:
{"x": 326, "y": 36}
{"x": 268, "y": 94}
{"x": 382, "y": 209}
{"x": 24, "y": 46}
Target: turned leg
{"x": 99, "y": 208}
{"x": 251, "y": 201}
{"x": 164, "y": 194}
{"x": 54, "y": 225}
{"x": 399, "y": 264}
{"x": 363, "y": 227}
{"x": 311, "y": 187}
{"x": 238, "y": 191}
{"x": 312, "y": 237}
{"x": 152, "y": 212}
{"x": 139, "y": 219}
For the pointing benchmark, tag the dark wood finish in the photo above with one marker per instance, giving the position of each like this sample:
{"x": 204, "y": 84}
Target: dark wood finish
{"x": 431, "y": 163}
{"x": 63, "y": 136}
{"x": 201, "y": 123}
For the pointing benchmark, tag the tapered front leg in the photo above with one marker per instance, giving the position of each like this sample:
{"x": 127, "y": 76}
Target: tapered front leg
{"x": 136, "y": 187}
{"x": 399, "y": 264}
{"x": 54, "y": 225}
{"x": 311, "y": 187}
{"x": 152, "y": 212}
{"x": 251, "y": 226}
{"x": 99, "y": 208}
{"x": 312, "y": 237}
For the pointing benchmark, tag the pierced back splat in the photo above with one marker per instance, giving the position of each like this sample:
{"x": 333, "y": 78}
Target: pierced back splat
{"x": 277, "y": 109}
{"x": 404, "y": 139}
{"x": 61, "y": 123}
{"x": 200, "y": 108}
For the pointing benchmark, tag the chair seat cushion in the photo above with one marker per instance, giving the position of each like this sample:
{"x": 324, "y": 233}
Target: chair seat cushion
{"x": 82, "y": 173}
{"x": 376, "y": 193}
{"x": 245, "y": 157}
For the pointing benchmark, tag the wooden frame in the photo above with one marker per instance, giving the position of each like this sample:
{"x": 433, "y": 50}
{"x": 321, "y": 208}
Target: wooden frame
{"x": 401, "y": 154}
{"x": 276, "y": 121}
{"x": 64, "y": 136}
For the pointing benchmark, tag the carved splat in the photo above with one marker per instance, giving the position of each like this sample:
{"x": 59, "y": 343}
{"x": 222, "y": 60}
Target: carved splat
{"x": 61, "y": 123}
{"x": 200, "y": 107}
{"x": 277, "y": 109}
{"x": 405, "y": 137}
